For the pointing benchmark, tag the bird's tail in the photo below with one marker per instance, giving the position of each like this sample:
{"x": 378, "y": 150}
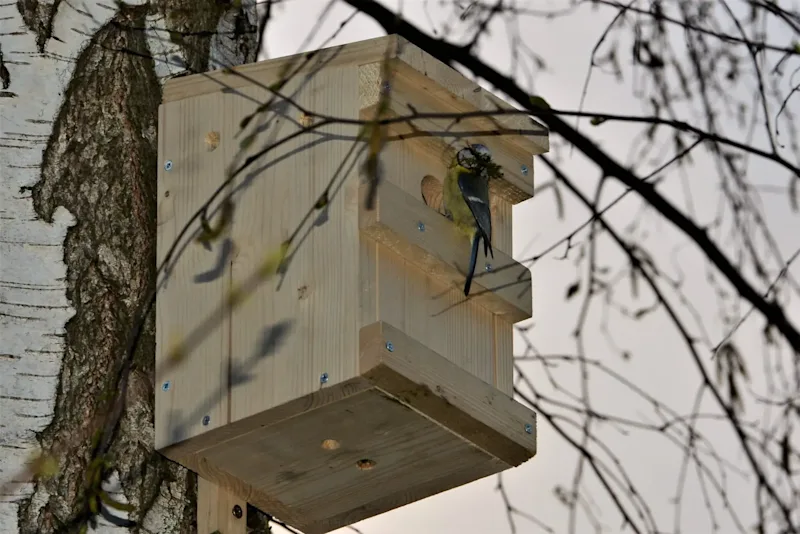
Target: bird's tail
{"x": 487, "y": 248}
{"x": 472, "y": 261}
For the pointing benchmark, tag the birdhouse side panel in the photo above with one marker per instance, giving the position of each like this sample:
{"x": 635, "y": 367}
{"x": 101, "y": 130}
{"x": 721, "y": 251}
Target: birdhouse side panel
{"x": 298, "y": 331}
{"x": 191, "y": 327}
{"x": 436, "y": 315}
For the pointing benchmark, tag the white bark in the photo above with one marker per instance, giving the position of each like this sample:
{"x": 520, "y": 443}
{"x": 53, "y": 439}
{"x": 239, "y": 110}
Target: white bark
{"x": 34, "y": 308}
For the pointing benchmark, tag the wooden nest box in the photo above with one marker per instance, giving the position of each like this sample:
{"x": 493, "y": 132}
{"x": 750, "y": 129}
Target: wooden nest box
{"x": 359, "y": 378}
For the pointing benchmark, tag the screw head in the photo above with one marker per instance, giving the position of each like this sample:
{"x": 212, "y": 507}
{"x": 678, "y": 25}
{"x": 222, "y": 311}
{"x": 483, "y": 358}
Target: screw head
{"x": 386, "y": 86}
{"x": 168, "y": 165}
{"x": 488, "y": 267}
{"x": 389, "y": 346}
{"x": 528, "y": 428}
{"x": 206, "y": 420}
{"x": 237, "y": 511}
{"x": 524, "y": 169}
{"x": 165, "y": 386}
{"x": 421, "y": 226}
{"x": 323, "y": 378}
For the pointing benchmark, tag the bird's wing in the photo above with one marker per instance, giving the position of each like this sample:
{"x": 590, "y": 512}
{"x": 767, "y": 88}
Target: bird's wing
{"x": 476, "y": 194}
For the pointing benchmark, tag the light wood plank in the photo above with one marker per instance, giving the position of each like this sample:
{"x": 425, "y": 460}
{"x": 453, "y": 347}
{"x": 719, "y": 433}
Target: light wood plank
{"x": 437, "y": 316}
{"x": 215, "y": 510}
{"x": 189, "y": 304}
{"x": 504, "y": 356}
{"x": 315, "y": 302}
{"x": 272, "y": 70}
{"x": 442, "y": 252}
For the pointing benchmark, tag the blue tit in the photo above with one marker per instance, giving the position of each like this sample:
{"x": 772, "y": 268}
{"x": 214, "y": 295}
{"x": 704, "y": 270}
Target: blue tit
{"x": 466, "y": 202}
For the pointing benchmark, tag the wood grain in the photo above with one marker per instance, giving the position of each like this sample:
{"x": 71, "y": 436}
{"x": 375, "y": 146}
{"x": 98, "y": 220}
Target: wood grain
{"x": 425, "y": 424}
{"x": 189, "y": 304}
{"x": 504, "y": 356}
{"x": 452, "y": 397}
{"x": 215, "y": 509}
{"x": 302, "y": 323}
{"x": 443, "y": 253}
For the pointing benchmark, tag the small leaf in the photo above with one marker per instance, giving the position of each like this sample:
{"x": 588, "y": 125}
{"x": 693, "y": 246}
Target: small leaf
{"x": 178, "y": 351}
{"x": 273, "y": 262}
{"x": 322, "y": 201}
{"x": 94, "y": 504}
{"x": 108, "y": 501}
{"x": 596, "y": 121}
{"x": 247, "y": 141}
{"x": 235, "y": 297}
{"x": 44, "y": 465}
{"x": 209, "y": 234}
{"x": 786, "y": 450}
{"x": 797, "y": 47}
{"x": 573, "y": 289}
{"x": 539, "y": 102}
{"x": 245, "y": 122}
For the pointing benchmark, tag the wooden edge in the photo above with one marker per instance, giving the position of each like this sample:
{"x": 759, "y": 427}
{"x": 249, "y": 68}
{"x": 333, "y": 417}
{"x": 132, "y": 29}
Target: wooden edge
{"x": 438, "y": 149}
{"x": 238, "y": 488}
{"x": 452, "y": 397}
{"x": 538, "y": 145}
{"x": 216, "y": 509}
{"x": 465, "y": 475}
{"x": 180, "y": 452}
{"x": 271, "y": 70}
{"x": 440, "y": 248}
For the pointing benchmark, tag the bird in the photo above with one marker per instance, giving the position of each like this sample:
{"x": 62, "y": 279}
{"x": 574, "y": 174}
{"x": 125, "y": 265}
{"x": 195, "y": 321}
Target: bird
{"x": 466, "y": 201}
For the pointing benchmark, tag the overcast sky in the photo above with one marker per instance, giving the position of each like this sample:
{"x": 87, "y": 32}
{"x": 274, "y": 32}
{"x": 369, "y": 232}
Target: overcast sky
{"x": 659, "y": 361}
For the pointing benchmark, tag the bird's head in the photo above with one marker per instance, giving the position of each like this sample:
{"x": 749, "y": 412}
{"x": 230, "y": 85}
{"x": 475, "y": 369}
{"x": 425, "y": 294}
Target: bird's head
{"x": 478, "y": 158}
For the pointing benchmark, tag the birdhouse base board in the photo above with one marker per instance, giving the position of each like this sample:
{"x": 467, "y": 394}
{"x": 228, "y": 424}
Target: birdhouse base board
{"x": 412, "y": 425}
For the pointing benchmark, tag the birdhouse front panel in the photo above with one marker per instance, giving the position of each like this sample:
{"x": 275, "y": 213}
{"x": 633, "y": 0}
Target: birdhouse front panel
{"x": 310, "y": 345}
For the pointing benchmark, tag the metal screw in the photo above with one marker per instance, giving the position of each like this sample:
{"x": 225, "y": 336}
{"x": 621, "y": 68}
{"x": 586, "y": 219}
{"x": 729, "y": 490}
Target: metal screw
{"x": 488, "y": 267}
{"x": 389, "y": 346}
{"x": 524, "y": 169}
{"x": 237, "y": 511}
{"x": 323, "y": 378}
{"x": 421, "y": 226}
{"x": 386, "y": 86}
{"x": 528, "y": 428}
{"x": 206, "y": 420}
{"x": 165, "y": 386}
{"x": 168, "y": 165}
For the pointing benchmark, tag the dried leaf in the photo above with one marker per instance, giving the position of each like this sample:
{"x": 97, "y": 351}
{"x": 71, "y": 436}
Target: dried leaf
{"x": 573, "y": 289}
{"x": 539, "y": 102}
{"x": 322, "y": 201}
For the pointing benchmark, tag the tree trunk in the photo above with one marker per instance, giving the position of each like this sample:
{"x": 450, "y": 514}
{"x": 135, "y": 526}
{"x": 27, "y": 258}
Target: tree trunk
{"x": 80, "y": 96}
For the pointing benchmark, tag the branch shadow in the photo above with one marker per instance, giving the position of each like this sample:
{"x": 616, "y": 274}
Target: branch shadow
{"x": 239, "y": 373}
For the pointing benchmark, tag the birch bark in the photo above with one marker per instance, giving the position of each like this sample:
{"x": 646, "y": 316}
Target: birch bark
{"x": 81, "y": 86}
